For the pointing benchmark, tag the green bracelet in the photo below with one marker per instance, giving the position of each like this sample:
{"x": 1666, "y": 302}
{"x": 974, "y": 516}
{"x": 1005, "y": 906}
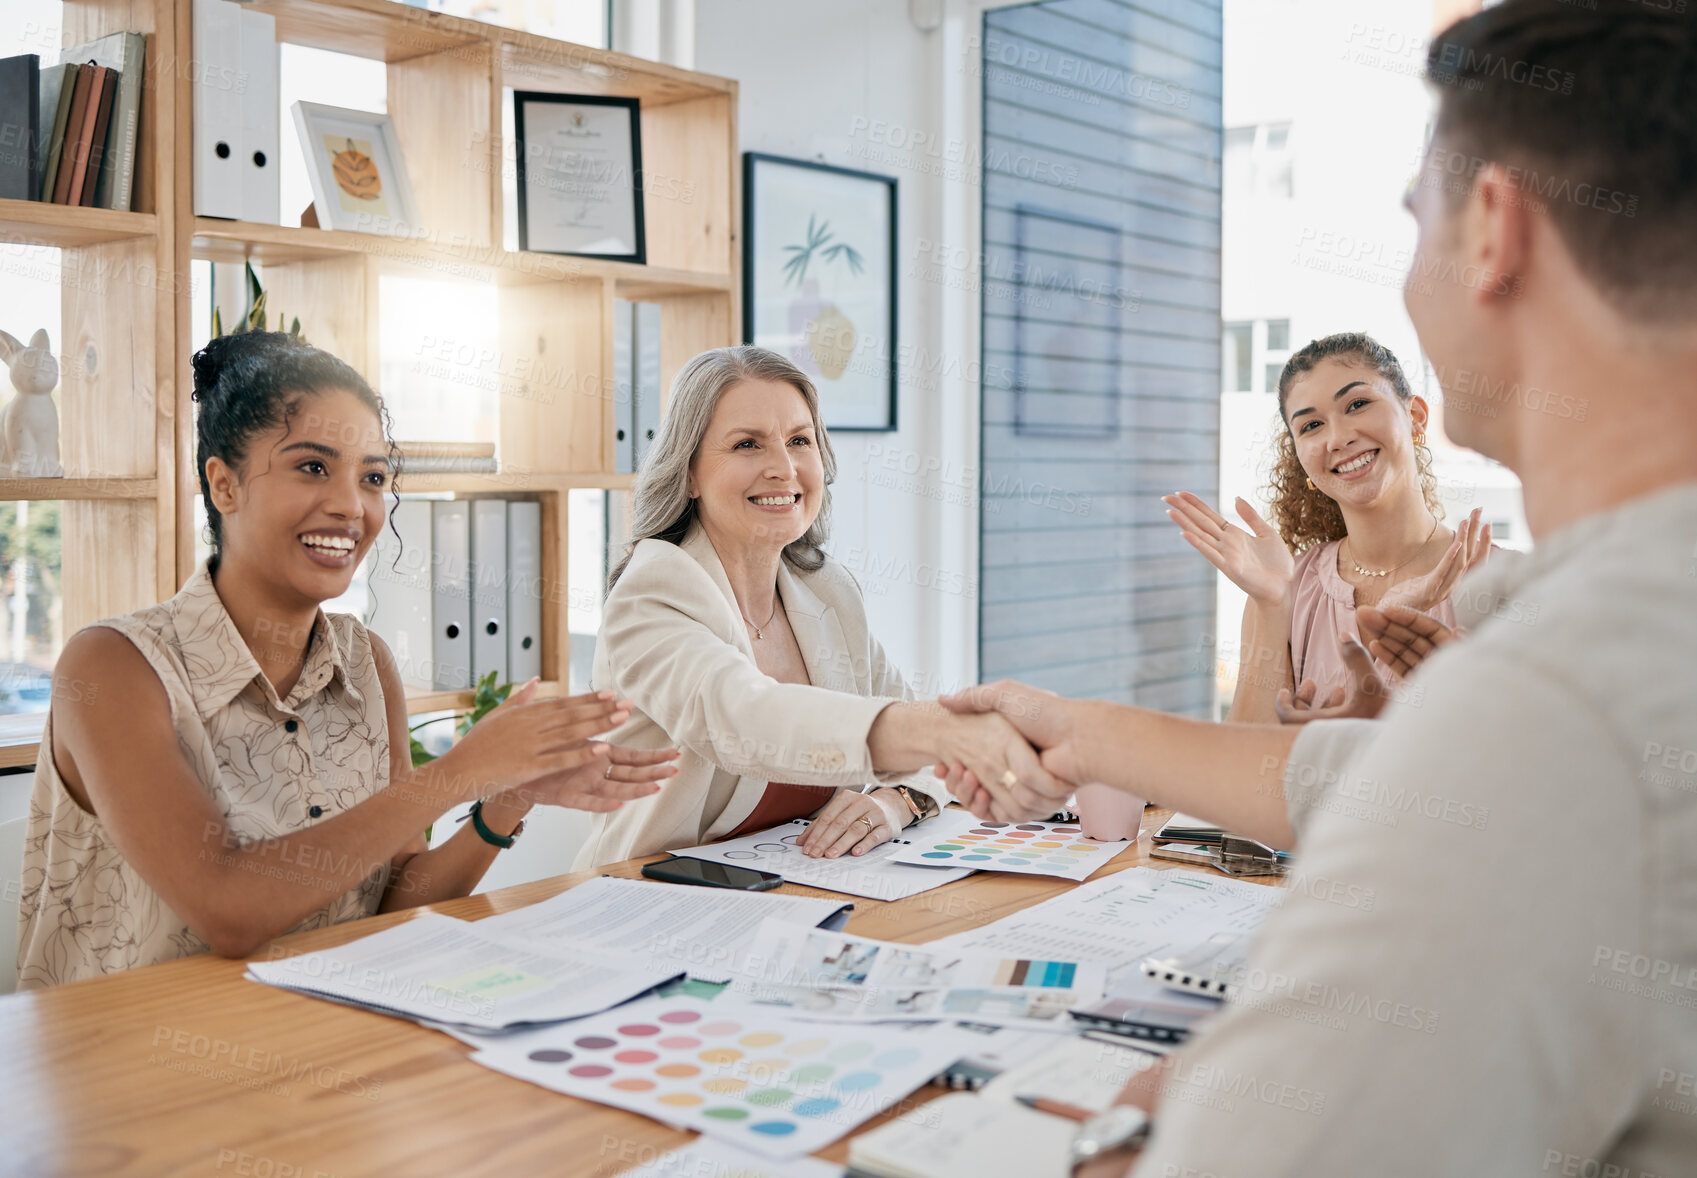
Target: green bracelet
{"x": 483, "y": 832}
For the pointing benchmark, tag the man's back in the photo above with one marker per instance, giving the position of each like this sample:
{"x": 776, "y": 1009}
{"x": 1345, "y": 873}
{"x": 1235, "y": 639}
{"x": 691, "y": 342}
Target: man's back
{"x": 1488, "y": 960}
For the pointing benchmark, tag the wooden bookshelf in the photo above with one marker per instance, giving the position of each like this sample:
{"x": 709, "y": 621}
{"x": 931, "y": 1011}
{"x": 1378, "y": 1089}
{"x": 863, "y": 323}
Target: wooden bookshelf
{"x": 34, "y": 222}
{"x": 126, "y": 417}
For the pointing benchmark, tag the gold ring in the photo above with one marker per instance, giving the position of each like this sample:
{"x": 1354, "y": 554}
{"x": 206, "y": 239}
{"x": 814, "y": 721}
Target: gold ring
{"x": 868, "y": 822}
{"x": 1009, "y": 778}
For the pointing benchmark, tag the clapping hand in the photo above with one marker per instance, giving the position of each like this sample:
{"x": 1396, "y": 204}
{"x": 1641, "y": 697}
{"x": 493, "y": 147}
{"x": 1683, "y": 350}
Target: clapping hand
{"x": 1362, "y": 700}
{"x": 616, "y": 776}
{"x": 1468, "y": 550}
{"x": 1257, "y": 561}
{"x": 1402, "y": 638}
{"x": 527, "y": 739}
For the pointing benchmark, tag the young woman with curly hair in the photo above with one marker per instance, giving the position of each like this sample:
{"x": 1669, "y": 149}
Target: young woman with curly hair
{"x": 1356, "y": 522}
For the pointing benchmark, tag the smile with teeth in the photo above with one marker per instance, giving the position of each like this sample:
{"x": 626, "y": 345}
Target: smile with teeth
{"x": 332, "y": 545}
{"x": 775, "y": 500}
{"x": 1354, "y": 464}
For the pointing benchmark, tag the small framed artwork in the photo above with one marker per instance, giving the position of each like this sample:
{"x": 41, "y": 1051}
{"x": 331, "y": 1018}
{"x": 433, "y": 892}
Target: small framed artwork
{"x": 359, "y": 179}
{"x": 579, "y": 175}
{"x": 819, "y": 281}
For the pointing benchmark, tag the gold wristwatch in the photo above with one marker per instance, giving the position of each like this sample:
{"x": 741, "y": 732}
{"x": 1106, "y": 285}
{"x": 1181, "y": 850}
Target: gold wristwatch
{"x": 920, "y": 812}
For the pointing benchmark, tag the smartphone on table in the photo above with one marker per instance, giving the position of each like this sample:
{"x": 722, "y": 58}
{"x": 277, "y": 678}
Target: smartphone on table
{"x": 709, "y": 874}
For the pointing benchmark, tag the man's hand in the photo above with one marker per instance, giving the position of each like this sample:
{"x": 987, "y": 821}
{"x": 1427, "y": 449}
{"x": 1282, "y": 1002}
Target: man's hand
{"x": 1400, "y": 637}
{"x": 1364, "y": 699}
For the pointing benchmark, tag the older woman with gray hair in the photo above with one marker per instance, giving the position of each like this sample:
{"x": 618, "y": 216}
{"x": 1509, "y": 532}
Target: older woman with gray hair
{"x": 740, "y": 643}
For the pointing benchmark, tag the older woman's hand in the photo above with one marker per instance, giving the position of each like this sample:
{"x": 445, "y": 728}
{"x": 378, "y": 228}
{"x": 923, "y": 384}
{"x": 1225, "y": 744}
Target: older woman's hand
{"x": 1022, "y": 787}
{"x": 852, "y": 822}
{"x": 986, "y": 743}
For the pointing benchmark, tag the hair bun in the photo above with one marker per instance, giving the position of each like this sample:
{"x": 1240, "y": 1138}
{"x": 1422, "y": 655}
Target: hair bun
{"x": 247, "y": 346}
{"x": 208, "y": 364}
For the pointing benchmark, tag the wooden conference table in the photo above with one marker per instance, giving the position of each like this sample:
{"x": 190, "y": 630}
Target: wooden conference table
{"x": 102, "y": 1076}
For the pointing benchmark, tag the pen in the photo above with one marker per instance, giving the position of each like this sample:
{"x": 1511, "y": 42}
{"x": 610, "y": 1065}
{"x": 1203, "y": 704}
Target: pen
{"x": 1055, "y": 1108}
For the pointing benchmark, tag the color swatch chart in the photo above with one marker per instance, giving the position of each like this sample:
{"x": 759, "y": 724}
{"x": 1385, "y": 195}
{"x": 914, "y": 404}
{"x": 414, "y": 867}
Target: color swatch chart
{"x": 1026, "y": 848}
{"x": 773, "y": 1085}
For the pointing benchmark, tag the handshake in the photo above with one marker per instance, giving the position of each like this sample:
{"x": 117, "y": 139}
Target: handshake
{"x": 1008, "y": 752}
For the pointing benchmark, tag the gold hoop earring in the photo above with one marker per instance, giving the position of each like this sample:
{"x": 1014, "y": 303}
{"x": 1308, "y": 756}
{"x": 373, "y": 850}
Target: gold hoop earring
{"x": 1311, "y": 485}
{"x": 1420, "y": 437}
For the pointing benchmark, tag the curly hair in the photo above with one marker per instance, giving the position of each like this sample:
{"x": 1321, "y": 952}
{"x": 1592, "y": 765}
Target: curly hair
{"x": 1304, "y": 516}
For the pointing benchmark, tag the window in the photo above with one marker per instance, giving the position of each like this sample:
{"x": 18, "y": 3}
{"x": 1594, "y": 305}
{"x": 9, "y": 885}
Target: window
{"x": 1259, "y": 345}
{"x": 1236, "y": 354}
{"x": 1257, "y": 161}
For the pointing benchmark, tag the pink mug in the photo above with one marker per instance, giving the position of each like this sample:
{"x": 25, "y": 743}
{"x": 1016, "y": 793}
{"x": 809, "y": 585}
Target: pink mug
{"x": 1108, "y": 814}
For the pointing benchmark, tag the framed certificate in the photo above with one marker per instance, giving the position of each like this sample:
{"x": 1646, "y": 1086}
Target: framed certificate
{"x": 579, "y": 175}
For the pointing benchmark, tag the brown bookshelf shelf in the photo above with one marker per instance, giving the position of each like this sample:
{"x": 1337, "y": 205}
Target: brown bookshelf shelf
{"x": 67, "y": 226}
{"x": 13, "y": 490}
{"x": 378, "y": 29}
{"x": 238, "y": 241}
{"x": 506, "y": 484}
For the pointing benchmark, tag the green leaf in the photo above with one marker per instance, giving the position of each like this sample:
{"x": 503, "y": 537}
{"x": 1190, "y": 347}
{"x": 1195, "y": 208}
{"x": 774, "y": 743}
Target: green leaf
{"x": 420, "y": 755}
{"x": 486, "y": 699}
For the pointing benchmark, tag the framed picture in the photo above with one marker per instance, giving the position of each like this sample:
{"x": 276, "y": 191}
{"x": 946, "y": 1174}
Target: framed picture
{"x": 819, "y": 281}
{"x": 579, "y": 175}
{"x": 359, "y": 180}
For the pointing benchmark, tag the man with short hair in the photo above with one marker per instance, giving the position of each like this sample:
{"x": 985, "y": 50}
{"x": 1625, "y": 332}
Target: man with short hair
{"x": 1486, "y": 963}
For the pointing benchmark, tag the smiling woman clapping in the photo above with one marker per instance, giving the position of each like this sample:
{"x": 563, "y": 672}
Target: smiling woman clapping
{"x": 1358, "y": 524}
{"x": 741, "y": 643}
{"x": 234, "y": 763}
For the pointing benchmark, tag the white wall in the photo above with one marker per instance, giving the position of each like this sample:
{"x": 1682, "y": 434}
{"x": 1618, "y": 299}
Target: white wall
{"x": 859, "y": 85}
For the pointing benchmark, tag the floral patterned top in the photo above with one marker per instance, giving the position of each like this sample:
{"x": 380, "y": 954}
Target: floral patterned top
{"x": 271, "y": 766}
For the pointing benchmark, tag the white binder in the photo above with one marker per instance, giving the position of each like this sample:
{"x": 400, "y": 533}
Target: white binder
{"x": 450, "y": 561}
{"x": 489, "y": 589}
{"x": 260, "y": 107}
{"x": 646, "y": 386}
{"x": 624, "y": 387}
{"x": 218, "y": 109}
{"x": 524, "y": 591}
{"x": 399, "y": 591}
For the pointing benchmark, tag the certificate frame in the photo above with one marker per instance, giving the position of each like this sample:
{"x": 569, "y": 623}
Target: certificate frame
{"x": 393, "y": 213}
{"x": 536, "y": 238}
{"x": 793, "y": 208}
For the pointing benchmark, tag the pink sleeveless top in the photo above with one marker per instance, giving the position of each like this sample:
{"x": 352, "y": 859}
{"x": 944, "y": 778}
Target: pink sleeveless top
{"x": 1323, "y": 609}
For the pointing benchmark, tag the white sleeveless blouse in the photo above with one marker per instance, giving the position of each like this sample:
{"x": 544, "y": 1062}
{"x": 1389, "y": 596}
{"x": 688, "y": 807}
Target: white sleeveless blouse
{"x": 271, "y": 766}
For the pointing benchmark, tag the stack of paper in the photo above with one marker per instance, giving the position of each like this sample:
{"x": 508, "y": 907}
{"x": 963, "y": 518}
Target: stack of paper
{"x": 456, "y": 973}
{"x": 706, "y": 931}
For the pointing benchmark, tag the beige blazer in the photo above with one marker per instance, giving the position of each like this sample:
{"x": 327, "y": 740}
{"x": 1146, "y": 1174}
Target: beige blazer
{"x": 673, "y": 642}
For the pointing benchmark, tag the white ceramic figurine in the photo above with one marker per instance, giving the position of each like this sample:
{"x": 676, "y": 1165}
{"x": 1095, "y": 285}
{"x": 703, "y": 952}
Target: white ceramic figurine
{"x": 29, "y": 425}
